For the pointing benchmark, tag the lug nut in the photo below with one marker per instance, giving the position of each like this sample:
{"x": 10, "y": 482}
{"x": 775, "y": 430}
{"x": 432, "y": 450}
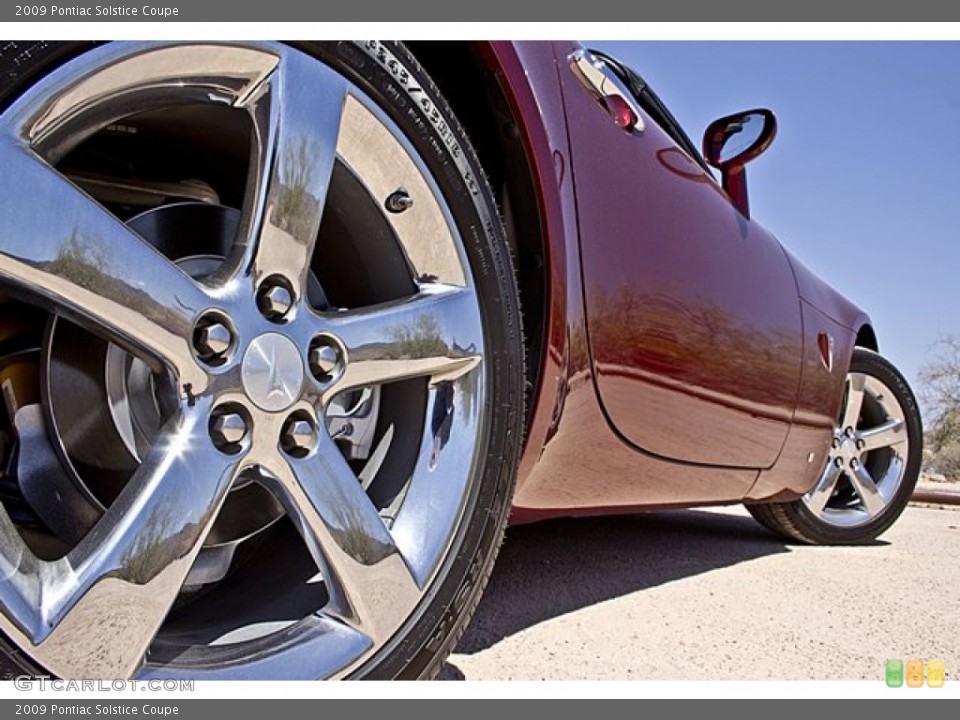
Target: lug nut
{"x": 838, "y": 462}
{"x": 274, "y": 300}
{"x": 212, "y": 340}
{"x": 324, "y": 360}
{"x": 848, "y": 432}
{"x": 299, "y": 436}
{"x": 228, "y": 430}
{"x": 835, "y": 444}
{"x": 861, "y": 444}
{"x": 854, "y": 463}
{"x": 398, "y": 201}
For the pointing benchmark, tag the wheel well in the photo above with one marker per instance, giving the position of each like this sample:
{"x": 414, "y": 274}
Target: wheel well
{"x": 867, "y": 338}
{"x": 480, "y": 104}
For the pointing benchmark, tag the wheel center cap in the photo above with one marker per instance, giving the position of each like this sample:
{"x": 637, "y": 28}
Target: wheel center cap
{"x": 272, "y": 372}
{"x": 848, "y": 449}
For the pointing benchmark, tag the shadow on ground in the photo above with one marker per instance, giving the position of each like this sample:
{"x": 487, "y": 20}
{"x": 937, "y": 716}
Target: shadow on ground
{"x": 552, "y": 568}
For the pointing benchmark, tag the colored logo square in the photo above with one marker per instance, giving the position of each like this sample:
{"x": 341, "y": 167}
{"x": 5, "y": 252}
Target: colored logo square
{"x": 914, "y": 673}
{"x": 935, "y": 673}
{"x": 894, "y": 673}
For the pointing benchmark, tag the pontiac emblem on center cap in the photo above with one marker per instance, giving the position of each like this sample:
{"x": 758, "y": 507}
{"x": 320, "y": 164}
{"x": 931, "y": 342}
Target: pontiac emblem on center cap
{"x": 272, "y": 372}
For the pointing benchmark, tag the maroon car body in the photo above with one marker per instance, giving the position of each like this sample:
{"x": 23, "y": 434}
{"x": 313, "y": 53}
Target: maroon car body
{"x": 681, "y": 362}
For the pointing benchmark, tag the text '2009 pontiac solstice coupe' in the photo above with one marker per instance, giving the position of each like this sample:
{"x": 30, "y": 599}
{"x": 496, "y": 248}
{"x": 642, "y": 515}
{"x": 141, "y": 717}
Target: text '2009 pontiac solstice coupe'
{"x": 289, "y": 332}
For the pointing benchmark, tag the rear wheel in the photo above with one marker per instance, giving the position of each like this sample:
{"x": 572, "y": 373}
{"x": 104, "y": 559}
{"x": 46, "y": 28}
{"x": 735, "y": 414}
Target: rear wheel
{"x": 261, "y": 360}
{"x": 872, "y": 466}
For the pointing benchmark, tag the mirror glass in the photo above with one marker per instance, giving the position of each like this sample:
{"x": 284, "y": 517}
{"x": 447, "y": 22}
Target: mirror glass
{"x": 740, "y": 135}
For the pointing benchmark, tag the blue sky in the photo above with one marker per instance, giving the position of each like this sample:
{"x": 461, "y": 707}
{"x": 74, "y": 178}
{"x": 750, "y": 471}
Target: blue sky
{"x": 862, "y": 180}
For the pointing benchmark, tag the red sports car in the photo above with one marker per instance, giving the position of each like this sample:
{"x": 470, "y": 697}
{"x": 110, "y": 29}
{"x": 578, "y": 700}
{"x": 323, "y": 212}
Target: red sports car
{"x": 288, "y": 333}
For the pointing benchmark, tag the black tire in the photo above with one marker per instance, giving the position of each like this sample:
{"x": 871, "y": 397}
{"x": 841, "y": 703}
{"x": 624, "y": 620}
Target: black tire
{"x": 387, "y": 73}
{"x": 763, "y": 515}
{"x": 796, "y": 521}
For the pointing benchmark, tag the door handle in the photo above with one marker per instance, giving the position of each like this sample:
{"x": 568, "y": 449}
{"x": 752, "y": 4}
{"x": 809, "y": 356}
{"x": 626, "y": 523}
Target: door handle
{"x": 607, "y": 89}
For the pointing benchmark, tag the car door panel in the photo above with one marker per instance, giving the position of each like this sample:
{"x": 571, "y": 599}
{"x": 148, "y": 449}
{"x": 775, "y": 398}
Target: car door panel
{"x": 693, "y": 316}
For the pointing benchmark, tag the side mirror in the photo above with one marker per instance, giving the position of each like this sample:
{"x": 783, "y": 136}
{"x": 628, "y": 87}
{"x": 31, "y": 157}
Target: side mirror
{"x": 731, "y": 142}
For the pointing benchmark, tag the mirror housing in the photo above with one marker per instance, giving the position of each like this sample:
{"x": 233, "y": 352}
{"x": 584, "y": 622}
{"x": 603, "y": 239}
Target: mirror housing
{"x": 730, "y": 142}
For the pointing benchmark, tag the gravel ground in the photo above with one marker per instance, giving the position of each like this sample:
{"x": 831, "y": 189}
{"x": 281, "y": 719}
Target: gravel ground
{"x": 711, "y": 595}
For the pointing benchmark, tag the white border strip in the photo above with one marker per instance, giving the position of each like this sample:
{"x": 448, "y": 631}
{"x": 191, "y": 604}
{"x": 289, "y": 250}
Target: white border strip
{"x": 485, "y": 30}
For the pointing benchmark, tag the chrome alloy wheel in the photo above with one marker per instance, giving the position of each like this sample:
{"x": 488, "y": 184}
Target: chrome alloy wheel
{"x": 251, "y": 361}
{"x": 867, "y": 459}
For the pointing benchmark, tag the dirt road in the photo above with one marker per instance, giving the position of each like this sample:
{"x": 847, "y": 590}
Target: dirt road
{"x": 710, "y": 595}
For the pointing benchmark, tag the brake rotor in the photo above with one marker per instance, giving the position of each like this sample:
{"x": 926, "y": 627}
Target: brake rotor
{"x": 105, "y": 407}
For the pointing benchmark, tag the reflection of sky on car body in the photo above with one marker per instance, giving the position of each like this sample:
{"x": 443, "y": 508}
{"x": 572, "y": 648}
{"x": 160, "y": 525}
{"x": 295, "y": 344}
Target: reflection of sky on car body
{"x": 861, "y": 181}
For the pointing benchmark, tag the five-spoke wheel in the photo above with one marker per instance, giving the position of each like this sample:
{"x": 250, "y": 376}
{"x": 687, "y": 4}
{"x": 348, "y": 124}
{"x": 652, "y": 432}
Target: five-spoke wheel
{"x": 269, "y": 394}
